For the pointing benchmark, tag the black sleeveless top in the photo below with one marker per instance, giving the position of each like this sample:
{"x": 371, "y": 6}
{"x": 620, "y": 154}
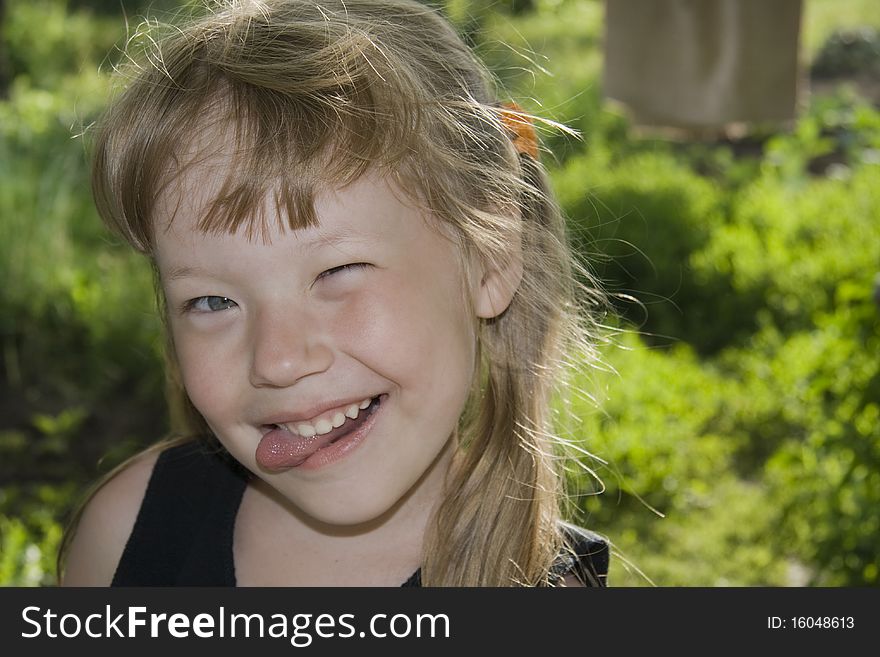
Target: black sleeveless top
{"x": 184, "y": 529}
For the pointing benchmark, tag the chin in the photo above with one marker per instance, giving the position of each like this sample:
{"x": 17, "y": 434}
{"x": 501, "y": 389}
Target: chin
{"x": 350, "y": 511}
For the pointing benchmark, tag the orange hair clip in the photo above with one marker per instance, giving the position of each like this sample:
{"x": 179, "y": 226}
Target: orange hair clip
{"x": 521, "y": 129}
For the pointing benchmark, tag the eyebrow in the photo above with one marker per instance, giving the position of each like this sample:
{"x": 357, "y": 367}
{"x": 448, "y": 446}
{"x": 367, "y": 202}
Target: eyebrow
{"x": 330, "y": 239}
{"x": 184, "y": 272}
{"x": 325, "y": 240}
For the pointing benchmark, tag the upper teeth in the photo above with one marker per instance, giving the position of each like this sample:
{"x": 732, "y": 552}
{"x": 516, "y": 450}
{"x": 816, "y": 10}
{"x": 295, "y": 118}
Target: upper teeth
{"x": 327, "y": 423}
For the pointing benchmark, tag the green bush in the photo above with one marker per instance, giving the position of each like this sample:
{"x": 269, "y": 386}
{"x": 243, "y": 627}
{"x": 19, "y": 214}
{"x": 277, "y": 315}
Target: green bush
{"x": 759, "y": 466}
{"x": 815, "y": 398}
{"x": 672, "y": 502}
{"x": 80, "y": 371}
{"x": 840, "y": 131}
{"x": 640, "y": 221}
{"x": 46, "y": 42}
{"x": 30, "y": 532}
{"x": 65, "y": 299}
{"x": 791, "y": 246}
{"x": 849, "y": 52}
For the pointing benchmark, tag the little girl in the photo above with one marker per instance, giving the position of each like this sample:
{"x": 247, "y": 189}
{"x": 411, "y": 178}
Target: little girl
{"x": 368, "y": 299}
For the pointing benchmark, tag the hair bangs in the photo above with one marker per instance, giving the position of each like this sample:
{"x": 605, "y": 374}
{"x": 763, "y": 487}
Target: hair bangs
{"x": 279, "y": 154}
{"x": 342, "y": 108}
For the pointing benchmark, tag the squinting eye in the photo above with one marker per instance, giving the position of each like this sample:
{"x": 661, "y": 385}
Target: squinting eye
{"x": 353, "y": 265}
{"x": 209, "y": 304}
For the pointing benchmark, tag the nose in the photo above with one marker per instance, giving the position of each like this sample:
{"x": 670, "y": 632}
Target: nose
{"x": 286, "y": 348}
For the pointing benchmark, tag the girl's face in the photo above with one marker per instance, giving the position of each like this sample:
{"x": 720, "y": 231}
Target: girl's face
{"x": 289, "y": 333}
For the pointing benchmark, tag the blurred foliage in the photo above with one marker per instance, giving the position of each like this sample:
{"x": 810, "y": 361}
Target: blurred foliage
{"x": 823, "y": 18}
{"x": 47, "y": 43}
{"x": 849, "y": 52}
{"x": 823, "y": 467}
{"x": 79, "y": 338}
{"x": 675, "y": 502}
{"x": 736, "y": 435}
{"x": 30, "y": 532}
{"x": 643, "y": 217}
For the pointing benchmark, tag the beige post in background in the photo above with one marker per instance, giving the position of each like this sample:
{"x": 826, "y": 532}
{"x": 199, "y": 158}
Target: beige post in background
{"x": 703, "y": 65}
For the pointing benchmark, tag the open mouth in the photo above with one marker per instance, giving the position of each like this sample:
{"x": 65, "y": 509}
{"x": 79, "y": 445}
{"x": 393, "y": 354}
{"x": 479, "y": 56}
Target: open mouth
{"x": 335, "y": 433}
{"x": 280, "y": 448}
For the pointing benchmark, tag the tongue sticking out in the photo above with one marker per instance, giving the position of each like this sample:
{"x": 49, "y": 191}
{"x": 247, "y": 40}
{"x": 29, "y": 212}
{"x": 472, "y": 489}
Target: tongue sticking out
{"x": 280, "y": 449}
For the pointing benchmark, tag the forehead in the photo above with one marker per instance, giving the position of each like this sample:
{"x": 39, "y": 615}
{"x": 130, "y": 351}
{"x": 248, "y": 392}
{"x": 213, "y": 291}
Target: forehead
{"x": 220, "y": 181}
{"x": 373, "y": 209}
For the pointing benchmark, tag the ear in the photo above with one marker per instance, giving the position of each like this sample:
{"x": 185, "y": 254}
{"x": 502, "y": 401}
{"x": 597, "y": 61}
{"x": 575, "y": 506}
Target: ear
{"x": 499, "y": 281}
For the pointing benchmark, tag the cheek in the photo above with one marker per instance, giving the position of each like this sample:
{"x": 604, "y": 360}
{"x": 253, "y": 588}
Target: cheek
{"x": 416, "y": 335}
{"x": 206, "y": 372}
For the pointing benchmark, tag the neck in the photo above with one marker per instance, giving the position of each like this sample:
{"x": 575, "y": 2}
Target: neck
{"x": 383, "y": 551}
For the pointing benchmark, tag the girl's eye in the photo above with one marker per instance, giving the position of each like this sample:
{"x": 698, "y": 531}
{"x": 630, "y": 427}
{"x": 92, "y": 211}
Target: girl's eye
{"x": 348, "y": 267}
{"x": 209, "y": 304}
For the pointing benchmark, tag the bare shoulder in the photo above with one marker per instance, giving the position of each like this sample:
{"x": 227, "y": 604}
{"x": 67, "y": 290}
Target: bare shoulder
{"x": 106, "y": 523}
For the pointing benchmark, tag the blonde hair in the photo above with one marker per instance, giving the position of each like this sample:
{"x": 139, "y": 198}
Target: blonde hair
{"x": 313, "y": 93}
